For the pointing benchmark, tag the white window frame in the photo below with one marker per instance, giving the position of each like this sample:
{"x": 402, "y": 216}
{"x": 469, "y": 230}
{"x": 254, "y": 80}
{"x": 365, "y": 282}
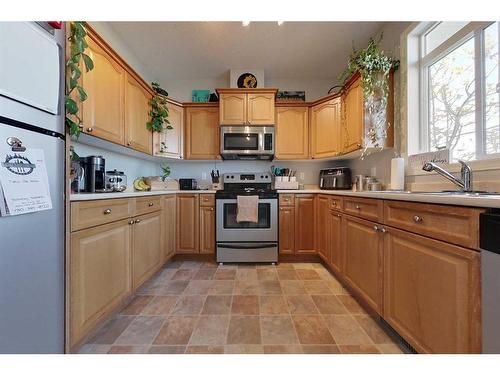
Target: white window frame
{"x": 415, "y": 100}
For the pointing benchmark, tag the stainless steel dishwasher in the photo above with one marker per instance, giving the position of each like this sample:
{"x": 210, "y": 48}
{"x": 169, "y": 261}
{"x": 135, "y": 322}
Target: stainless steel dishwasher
{"x": 490, "y": 279}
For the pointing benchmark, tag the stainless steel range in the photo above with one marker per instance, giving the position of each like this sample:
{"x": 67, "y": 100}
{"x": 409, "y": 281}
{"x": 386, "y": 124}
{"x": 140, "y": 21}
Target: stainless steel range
{"x": 247, "y": 241}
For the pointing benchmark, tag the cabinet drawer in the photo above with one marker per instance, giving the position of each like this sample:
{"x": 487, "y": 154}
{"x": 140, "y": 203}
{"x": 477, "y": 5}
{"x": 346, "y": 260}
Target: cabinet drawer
{"x": 207, "y": 200}
{"x": 335, "y": 203}
{"x": 370, "y": 209}
{"x": 145, "y": 205}
{"x": 457, "y": 225}
{"x": 86, "y": 214}
{"x": 287, "y": 200}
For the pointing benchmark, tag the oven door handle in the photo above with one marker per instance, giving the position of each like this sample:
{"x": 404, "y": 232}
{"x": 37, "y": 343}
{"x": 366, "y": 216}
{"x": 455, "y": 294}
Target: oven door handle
{"x": 259, "y": 246}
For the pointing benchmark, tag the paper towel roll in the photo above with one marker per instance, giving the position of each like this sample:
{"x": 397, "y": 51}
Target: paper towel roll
{"x": 398, "y": 174}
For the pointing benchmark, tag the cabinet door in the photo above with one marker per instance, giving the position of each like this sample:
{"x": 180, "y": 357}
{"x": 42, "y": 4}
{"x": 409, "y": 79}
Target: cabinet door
{"x": 147, "y": 253}
{"x": 202, "y": 133}
{"x": 100, "y": 275}
{"x": 187, "y": 223}
{"x": 322, "y": 226}
{"x": 103, "y": 111}
{"x": 305, "y": 224}
{"x": 292, "y": 133}
{"x": 362, "y": 256}
{"x": 207, "y": 230}
{"x": 233, "y": 109}
{"x": 325, "y": 129}
{"x": 334, "y": 252}
{"x": 137, "y": 109}
{"x": 432, "y": 293}
{"x": 353, "y": 126}
{"x": 168, "y": 143}
{"x": 169, "y": 226}
{"x": 287, "y": 230}
{"x": 260, "y": 109}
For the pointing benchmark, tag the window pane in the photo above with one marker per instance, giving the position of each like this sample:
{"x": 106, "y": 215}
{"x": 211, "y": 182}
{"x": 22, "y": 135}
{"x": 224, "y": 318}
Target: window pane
{"x": 452, "y": 103}
{"x": 491, "y": 112}
{"x": 439, "y": 33}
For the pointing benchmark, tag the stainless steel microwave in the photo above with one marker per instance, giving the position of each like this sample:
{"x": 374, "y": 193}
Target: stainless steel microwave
{"x": 247, "y": 142}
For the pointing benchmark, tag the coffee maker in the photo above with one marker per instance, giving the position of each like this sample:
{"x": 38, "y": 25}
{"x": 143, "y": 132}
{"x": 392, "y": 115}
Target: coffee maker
{"x": 93, "y": 174}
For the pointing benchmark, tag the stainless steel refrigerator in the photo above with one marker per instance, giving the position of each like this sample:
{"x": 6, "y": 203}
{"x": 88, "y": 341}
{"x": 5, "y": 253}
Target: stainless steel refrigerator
{"x": 32, "y": 245}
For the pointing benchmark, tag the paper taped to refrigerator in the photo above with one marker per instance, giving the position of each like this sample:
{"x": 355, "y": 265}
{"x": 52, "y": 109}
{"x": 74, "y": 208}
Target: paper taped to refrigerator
{"x": 24, "y": 184}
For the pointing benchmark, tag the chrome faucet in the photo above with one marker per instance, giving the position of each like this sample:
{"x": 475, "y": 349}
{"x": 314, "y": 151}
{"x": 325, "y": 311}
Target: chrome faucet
{"x": 465, "y": 183}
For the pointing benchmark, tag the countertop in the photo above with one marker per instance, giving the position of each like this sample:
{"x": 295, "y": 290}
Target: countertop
{"x": 492, "y": 201}
{"x": 132, "y": 194}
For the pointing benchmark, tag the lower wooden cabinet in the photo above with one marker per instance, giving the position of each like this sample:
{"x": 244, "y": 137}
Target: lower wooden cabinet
{"x": 286, "y": 230}
{"x": 147, "y": 252}
{"x": 187, "y": 223}
{"x": 322, "y": 235}
{"x": 207, "y": 230}
{"x": 334, "y": 240}
{"x": 432, "y": 293}
{"x": 169, "y": 226}
{"x": 100, "y": 275}
{"x": 362, "y": 259}
{"x": 305, "y": 224}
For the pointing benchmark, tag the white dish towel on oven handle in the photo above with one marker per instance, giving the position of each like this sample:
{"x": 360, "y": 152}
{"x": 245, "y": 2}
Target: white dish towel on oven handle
{"x": 247, "y": 208}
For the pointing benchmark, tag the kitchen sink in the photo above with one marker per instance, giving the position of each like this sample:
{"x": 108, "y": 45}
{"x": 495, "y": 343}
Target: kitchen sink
{"x": 474, "y": 193}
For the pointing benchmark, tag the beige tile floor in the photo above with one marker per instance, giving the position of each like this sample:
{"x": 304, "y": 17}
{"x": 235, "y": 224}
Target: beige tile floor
{"x": 200, "y": 307}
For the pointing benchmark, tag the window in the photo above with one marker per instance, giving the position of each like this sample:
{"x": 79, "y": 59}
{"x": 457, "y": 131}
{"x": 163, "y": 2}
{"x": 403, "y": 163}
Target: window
{"x": 459, "y": 89}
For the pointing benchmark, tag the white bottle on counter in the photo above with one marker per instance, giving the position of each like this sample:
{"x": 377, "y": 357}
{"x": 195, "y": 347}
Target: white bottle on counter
{"x": 398, "y": 174}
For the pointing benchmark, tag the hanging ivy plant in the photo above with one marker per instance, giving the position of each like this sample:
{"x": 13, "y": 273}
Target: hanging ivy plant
{"x": 78, "y": 45}
{"x": 374, "y": 67}
{"x": 159, "y": 110}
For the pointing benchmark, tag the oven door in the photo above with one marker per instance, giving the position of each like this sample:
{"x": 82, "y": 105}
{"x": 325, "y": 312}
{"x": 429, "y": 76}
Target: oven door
{"x": 229, "y": 230}
{"x": 247, "y": 140}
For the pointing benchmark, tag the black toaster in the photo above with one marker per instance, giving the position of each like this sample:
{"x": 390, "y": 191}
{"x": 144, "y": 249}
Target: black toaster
{"x": 188, "y": 184}
{"x": 335, "y": 179}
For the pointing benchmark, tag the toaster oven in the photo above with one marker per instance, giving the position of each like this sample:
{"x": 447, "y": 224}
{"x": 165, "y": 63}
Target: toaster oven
{"x": 335, "y": 179}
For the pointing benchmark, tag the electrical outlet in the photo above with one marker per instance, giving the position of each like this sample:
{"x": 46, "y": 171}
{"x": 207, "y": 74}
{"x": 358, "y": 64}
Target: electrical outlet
{"x": 203, "y": 175}
{"x": 373, "y": 171}
{"x": 301, "y": 175}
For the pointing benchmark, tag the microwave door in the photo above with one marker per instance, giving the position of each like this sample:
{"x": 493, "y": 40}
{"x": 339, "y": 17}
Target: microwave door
{"x": 241, "y": 143}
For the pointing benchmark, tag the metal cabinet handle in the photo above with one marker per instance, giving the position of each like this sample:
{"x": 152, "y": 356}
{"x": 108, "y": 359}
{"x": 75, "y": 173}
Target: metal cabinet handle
{"x": 151, "y": 204}
{"x": 131, "y": 222}
{"x": 211, "y": 208}
{"x": 107, "y": 211}
{"x": 89, "y": 130}
{"x": 357, "y": 207}
{"x": 417, "y": 219}
{"x": 137, "y": 221}
{"x": 383, "y": 230}
{"x": 376, "y": 228}
{"x": 334, "y": 203}
{"x": 129, "y": 143}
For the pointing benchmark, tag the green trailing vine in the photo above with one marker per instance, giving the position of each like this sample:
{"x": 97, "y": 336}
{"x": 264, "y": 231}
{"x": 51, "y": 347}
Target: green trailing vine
{"x": 78, "y": 45}
{"x": 374, "y": 67}
{"x": 159, "y": 110}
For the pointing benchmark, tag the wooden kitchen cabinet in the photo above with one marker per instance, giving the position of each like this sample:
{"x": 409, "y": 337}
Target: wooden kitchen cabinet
{"x": 202, "y": 132}
{"x": 188, "y": 223}
{"x": 292, "y": 133}
{"x": 103, "y": 112}
{"x": 169, "y": 143}
{"x": 100, "y": 275}
{"x": 287, "y": 230}
{"x": 137, "y": 115}
{"x": 233, "y": 109}
{"x": 362, "y": 259}
{"x": 334, "y": 241}
{"x": 432, "y": 293}
{"x": 247, "y": 106}
{"x": 353, "y": 127}
{"x": 207, "y": 230}
{"x": 322, "y": 229}
{"x": 260, "y": 108}
{"x": 325, "y": 129}
{"x": 169, "y": 226}
{"x": 305, "y": 224}
{"x": 147, "y": 247}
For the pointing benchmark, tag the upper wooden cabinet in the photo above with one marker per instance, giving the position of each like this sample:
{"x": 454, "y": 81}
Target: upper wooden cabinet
{"x": 325, "y": 128}
{"x": 292, "y": 133}
{"x": 103, "y": 112}
{"x": 246, "y": 106}
{"x": 169, "y": 143}
{"x": 353, "y": 127}
{"x": 137, "y": 115}
{"x": 202, "y": 132}
{"x": 233, "y": 109}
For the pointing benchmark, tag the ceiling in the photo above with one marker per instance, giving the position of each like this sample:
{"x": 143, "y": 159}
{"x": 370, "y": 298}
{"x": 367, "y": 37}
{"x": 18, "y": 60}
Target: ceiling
{"x": 200, "y": 50}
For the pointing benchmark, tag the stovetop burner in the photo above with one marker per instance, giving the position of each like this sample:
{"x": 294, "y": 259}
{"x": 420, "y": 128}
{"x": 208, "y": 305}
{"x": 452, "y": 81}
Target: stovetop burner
{"x": 247, "y": 184}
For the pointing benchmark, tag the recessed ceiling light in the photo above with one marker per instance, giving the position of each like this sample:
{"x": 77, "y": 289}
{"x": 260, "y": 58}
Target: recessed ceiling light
{"x": 245, "y": 23}
{"x": 280, "y": 23}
